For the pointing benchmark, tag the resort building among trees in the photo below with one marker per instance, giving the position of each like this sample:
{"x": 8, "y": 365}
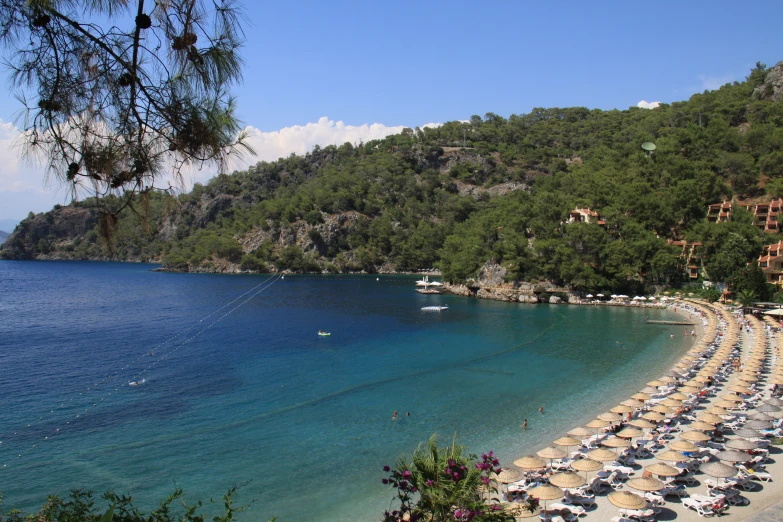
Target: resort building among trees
{"x": 771, "y": 263}
{"x": 585, "y": 215}
{"x": 765, "y": 215}
{"x": 690, "y": 257}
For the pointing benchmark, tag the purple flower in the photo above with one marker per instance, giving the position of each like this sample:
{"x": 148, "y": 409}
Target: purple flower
{"x": 406, "y": 474}
{"x": 495, "y": 462}
{"x": 495, "y": 507}
{"x": 491, "y": 454}
{"x": 458, "y": 514}
{"x": 429, "y": 482}
{"x": 385, "y": 481}
{"x": 403, "y": 484}
{"x": 498, "y": 470}
{"x": 386, "y": 469}
{"x": 484, "y": 456}
{"x": 485, "y": 480}
{"x": 479, "y": 465}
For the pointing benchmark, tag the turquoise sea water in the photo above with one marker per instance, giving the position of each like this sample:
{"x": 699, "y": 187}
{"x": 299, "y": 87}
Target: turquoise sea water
{"x": 260, "y": 399}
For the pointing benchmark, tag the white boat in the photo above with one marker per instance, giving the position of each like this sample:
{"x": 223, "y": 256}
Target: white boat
{"x": 433, "y": 308}
{"x": 426, "y": 282}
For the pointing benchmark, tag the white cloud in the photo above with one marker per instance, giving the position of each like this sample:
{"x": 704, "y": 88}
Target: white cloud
{"x": 648, "y": 105}
{"x": 23, "y": 186}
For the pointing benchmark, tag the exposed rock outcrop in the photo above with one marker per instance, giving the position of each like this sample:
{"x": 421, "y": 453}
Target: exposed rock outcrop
{"x": 772, "y": 88}
{"x": 39, "y": 236}
{"x": 490, "y": 283}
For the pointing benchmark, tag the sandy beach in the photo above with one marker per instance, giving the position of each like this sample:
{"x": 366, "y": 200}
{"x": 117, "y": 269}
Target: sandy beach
{"x": 721, "y": 338}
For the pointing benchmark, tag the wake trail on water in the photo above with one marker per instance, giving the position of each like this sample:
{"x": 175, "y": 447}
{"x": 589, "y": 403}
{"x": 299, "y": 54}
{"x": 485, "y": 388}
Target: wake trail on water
{"x": 340, "y": 393}
{"x": 255, "y": 291}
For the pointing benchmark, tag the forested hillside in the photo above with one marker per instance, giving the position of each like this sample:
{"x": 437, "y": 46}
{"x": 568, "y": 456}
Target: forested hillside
{"x": 457, "y": 196}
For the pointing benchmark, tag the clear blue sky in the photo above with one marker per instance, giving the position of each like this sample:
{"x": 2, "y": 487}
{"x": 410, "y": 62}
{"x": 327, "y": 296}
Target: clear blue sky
{"x": 412, "y": 63}
{"x": 408, "y": 63}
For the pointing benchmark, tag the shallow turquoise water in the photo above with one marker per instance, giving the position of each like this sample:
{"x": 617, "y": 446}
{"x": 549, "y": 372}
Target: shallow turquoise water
{"x": 260, "y": 398}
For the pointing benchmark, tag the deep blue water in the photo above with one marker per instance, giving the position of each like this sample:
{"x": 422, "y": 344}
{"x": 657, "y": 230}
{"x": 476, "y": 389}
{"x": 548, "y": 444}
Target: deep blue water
{"x": 259, "y": 398}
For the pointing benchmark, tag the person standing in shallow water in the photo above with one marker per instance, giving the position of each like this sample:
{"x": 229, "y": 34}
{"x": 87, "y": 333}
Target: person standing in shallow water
{"x": 394, "y": 415}
{"x": 541, "y": 409}
{"x": 524, "y": 425}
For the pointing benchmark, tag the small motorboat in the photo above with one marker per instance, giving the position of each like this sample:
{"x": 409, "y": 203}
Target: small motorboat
{"x": 323, "y": 334}
{"x": 434, "y": 308}
{"x": 136, "y": 383}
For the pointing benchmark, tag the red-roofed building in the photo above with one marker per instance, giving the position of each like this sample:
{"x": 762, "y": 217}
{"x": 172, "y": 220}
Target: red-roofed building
{"x": 771, "y": 263}
{"x": 690, "y": 257}
{"x": 585, "y": 215}
{"x": 765, "y": 215}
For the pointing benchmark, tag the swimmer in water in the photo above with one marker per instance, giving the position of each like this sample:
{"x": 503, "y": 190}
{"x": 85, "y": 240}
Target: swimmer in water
{"x": 394, "y": 415}
{"x": 541, "y": 409}
{"x": 524, "y": 425}
{"x": 407, "y": 414}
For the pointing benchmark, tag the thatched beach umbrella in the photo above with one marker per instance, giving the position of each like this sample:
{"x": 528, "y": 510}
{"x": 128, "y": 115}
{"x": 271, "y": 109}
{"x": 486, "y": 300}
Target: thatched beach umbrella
{"x": 641, "y": 396}
{"x": 672, "y": 456}
{"x": 546, "y": 492}
{"x": 758, "y": 425}
{"x": 695, "y": 436}
{"x": 653, "y": 416}
{"x": 598, "y": 424}
{"x": 630, "y": 433}
{"x": 566, "y": 441}
{"x": 626, "y": 500}
{"x": 616, "y": 442}
{"x": 747, "y": 433}
{"x": 663, "y": 470}
{"x": 632, "y": 403}
{"x": 507, "y": 476}
{"x": 722, "y": 404}
{"x": 552, "y": 453}
{"x": 602, "y": 455}
{"x": 520, "y": 509}
{"x": 690, "y": 389}
{"x": 719, "y": 470}
{"x": 672, "y": 403}
{"x": 717, "y": 410}
{"x": 641, "y": 423}
{"x": 586, "y": 465}
{"x": 769, "y": 408}
{"x": 683, "y": 445}
{"x": 774, "y": 402}
{"x": 622, "y": 408}
{"x": 530, "y": 462}
{"x": 709, "y": 418}
{"x": 733, "y": 456}
{"x": 646, "y": 484}
{"x": 678, "y": 396}
{"x": 567, "y": 479}
{"x": 661, "y": 409}
{"x": 701, "y": 426}
{"x": 580, "y": 431}
{"x": 656, "y": 383}
{"x": 760, "y": 416}
{"x": 740, "y": 389}
{"x": 742, "y": 444}
{"x": 610, "y": 417}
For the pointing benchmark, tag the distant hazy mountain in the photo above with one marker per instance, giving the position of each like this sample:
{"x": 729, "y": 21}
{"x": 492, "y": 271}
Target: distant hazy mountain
{"x": 3, "y": 236}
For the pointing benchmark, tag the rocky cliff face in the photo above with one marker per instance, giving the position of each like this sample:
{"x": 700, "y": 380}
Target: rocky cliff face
{"x": 772, "y": 88}
{"x": 44, "y": 235}
{"x": 491, "y": 284}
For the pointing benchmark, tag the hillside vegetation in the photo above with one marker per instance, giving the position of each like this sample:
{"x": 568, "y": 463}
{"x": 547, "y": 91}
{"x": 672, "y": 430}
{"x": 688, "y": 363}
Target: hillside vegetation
{"x": 458, "y": 196}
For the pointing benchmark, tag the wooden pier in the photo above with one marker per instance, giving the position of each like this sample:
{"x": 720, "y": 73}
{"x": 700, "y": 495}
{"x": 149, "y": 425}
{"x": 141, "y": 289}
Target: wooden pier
{"x": 675, "y": 323}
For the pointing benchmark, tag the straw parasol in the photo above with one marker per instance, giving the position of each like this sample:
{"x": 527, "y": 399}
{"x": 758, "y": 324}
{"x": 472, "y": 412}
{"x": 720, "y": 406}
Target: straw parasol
{"x": 616, "y": 442}
{"x": 774, "y": 402}
{"x": 632, "y": 403}
{"x": 598, "y": 423}
{"x": 650, "y": 389}
{"x": 508, "y": 475}
{"x": 626, "y": 500}
{"x": 641, "y": 396}
{"x": 723, "y": 404}
{"x": 552, "y": 453}
{"x": 663, "y": 470}
{"x": 678, "y": 396}
{"x": 622, "y": 408}
{"x": 611, "y": 417}
{"x": 586, "y": 465}
{"x": 747, "y": 433}
{"x": 768, "y": 408}
{"x": 717, "y": 410}
{"x": 641, "y": 423}
{"x": 741, "y": 444}
{"x": 660, "y": 408}
{"x": 566, "y": 441}
{"x": 739, "y": 389}
{"x": 581, "y": 432}
{"x": 690, "y": 389}
{"x": 701, "y": 426}
{"x": 758, "y": 425}
{"x": 760, "y": 416}
{"x": 695, "y": 436}
{"x": 733, "y": 456}
{"x": 630, "y": 433}
{"x": 520, "y": 509}
{"x": 653, "y": 416}
{"x": 672, "y": 403}
{"x": 656, "y": 383}
{"x": 530, "y": 462}
{"x": 683, "y": 445}
{"x": 732, "y": 397}
{"x": 646, "y": 484}
{"x": 567, "y": 479}
{"x": 667, "y": 379}
{"x": 718, "y": 470}
{"x": 709, "y": 418}
{"x": 546, "y": 492}
{"x": 602, "y": 455}
{"x": 672, "y": 456}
